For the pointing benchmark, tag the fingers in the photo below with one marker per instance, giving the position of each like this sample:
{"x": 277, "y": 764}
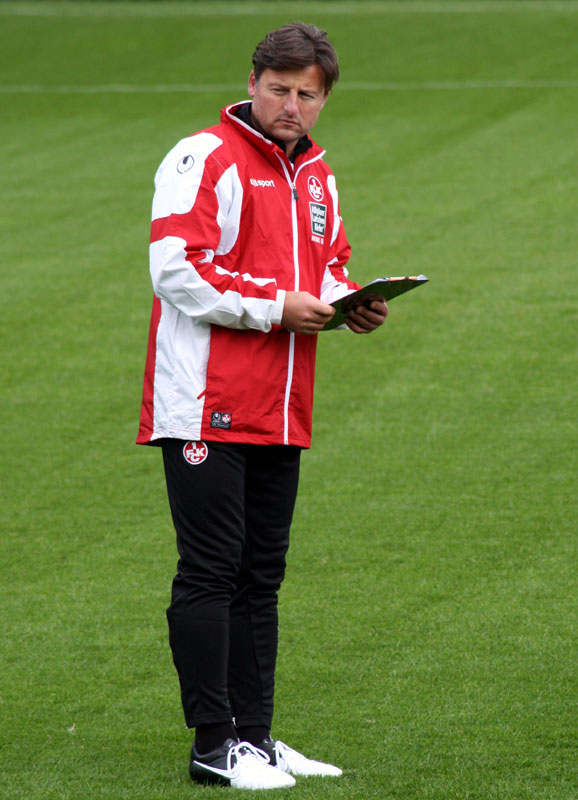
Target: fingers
{"x": 359, "y": 328}
{"x": 365, "y": 319}
{"x": 304, "y": 313}
{"x": 316, "y": 321}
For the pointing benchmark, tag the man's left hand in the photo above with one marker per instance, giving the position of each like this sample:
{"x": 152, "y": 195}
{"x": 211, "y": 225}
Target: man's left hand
{"x": 367, "y": 317}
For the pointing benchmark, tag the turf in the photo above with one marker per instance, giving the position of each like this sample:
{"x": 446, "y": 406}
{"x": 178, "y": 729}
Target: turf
{"x": 429, "y": 631}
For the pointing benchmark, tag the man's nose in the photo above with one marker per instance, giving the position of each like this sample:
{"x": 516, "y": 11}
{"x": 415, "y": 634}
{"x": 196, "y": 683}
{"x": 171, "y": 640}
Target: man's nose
{"x": 291, "y": 103}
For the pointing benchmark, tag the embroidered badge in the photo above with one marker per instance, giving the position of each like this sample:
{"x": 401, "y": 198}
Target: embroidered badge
{"x": 195, "y": 452}
{"x": 315, "y": 188}
{"x": 318, "y": 219}
{"x": 185, "y": 164}
{"x": 220, "y": 419}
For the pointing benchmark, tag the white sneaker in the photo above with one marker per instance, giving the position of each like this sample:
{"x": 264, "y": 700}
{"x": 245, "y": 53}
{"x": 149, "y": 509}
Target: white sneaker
{"x": 290, "y": 761}
{"x": 239, "y": 765}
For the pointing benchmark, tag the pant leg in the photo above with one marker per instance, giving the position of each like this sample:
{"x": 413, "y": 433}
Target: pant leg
{"x": 207, "y": 506}
{"x": 271, "y": 480}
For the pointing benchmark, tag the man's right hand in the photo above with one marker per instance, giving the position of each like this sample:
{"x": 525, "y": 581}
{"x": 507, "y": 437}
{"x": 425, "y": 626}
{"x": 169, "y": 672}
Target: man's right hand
{"x": 304, "y": 313}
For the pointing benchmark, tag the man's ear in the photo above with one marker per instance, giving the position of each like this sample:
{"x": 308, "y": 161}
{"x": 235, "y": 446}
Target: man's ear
{"x": 325, "y": 99}
{"x": 252, "y": 82}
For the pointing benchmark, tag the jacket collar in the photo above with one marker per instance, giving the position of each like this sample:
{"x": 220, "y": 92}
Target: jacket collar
{"x": 239, "y": 115}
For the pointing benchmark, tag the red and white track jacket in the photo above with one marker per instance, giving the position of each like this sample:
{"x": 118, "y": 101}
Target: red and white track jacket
{"x": 236, "y": 225}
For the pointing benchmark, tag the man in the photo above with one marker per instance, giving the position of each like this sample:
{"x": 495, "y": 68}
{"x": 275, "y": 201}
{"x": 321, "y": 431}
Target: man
{"x": 247, "y": 251}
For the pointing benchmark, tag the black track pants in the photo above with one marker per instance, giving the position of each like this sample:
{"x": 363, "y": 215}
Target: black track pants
{"x": 232, "y": 513}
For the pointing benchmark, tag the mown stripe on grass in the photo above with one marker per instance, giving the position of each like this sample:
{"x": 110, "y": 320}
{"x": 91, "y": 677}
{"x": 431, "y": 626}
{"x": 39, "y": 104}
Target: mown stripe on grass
{"x": 180, "y": 9}
{"x": 365, "y": 86}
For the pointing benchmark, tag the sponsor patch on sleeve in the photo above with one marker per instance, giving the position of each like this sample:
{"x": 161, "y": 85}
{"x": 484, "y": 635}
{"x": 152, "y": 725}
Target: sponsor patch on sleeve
{"x": 221, "y": 419}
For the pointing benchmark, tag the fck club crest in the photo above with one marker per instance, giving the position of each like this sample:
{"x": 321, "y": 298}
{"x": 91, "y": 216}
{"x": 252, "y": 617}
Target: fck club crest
{"x": 195, "y": 452}
{"x": 315, "y": 188}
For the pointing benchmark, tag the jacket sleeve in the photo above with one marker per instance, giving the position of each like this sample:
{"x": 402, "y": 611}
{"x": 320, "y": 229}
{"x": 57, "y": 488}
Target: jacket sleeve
{"x": 336, "y": 283}
{"x": 196, "y": 216}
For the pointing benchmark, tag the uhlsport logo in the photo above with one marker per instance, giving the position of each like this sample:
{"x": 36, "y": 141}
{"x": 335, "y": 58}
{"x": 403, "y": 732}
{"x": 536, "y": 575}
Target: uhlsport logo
{"x": 261, "y": 183}
{"x": 315, "y": 188}
{"x": 195, "y": 452}
{"x": 185, "y": 164}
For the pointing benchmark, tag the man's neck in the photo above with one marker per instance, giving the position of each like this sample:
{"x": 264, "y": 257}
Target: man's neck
{"x": 245, "y": 113}
{"x": 287, "y": 147}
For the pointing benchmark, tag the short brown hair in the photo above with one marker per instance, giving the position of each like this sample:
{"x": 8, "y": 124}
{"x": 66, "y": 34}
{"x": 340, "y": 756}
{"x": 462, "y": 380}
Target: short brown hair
{"x": 294, "y": 47}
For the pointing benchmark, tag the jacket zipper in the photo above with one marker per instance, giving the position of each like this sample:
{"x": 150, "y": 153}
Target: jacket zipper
{"x": 291, "y": 359}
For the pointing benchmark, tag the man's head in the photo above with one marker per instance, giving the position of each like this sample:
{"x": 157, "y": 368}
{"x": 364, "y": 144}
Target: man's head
{"x": 294, "y": 70}
{"x": 294, "y": 47}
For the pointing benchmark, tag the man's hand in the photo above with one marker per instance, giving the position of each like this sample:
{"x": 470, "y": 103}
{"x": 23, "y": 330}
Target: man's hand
{"x": 367, "y": 316}
{"x": 304, "y": 313}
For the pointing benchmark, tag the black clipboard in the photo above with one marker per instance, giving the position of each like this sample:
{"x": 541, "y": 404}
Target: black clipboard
{"x": 388, "y": 288}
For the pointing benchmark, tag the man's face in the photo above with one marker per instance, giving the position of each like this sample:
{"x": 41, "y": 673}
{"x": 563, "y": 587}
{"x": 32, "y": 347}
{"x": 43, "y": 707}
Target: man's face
{"x": 286, "y": 104}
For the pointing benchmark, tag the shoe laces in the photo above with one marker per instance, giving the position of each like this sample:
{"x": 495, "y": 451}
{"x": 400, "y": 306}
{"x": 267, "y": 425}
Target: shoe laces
{"x": 242, "y": 749}
{"x": 282, "y": 751}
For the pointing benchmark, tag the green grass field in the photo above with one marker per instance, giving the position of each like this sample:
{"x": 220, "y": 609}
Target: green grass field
{"x": 429, "y": 615}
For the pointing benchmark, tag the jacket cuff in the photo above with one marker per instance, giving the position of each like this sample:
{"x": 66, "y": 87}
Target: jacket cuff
{"x": 277, "y": 314}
